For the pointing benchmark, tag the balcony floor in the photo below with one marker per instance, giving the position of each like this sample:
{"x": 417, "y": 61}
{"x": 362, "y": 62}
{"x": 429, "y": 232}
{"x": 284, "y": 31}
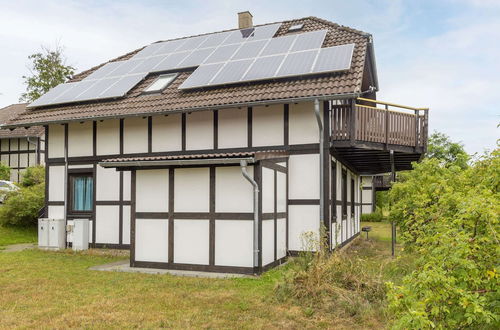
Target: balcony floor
{"x": 374, "y": 158}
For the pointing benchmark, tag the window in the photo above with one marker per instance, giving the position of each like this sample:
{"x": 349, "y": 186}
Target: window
{"x": 81, "y": 192}
{"x": 160, "y": 83}
{"x": 344, "y": 194}
{"x": 296, "y": 27}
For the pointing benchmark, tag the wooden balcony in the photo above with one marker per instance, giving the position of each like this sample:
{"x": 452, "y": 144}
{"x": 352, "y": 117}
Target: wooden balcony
{"x": 364, "y": 134}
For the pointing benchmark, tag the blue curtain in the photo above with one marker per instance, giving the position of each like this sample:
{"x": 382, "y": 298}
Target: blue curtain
{"x": 82, "y": 193}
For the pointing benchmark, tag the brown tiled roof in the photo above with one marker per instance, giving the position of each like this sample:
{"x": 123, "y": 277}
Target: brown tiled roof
{"x": 266, "y": 154}
{"x": 173, "y": 99}
{"x": 12, "y": 111}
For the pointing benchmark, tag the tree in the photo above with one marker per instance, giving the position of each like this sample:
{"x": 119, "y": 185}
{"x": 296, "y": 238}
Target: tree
{"x": 48, "y": 69}
{"x": 446, "y": 151}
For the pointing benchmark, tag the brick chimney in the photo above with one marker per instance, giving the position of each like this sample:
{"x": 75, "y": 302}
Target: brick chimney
{"x": 245, "y": 20}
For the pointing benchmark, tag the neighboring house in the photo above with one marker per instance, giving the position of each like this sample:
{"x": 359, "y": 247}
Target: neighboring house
{"x": 20, "y": 147}
{"x": 370, "y": 185}
{"x": 218, "y": 152}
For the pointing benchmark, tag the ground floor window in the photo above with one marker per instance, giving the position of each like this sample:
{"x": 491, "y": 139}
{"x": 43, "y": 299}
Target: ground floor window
{"x": 81, "y": 192}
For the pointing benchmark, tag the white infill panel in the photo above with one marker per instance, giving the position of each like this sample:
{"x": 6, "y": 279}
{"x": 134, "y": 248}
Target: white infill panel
{"x": 108, "y": 184}
{"x": 232, "y": 128}
{"x": 56, "y": 212}
{"x": 281, "y": 238}
{"x": 281, "y": 192}
{"x": 56, "y": 141}
{"x": 267, "y": 190}
{"x": 32, "y": 158}
{"x": 151, "y": 240}
{"x": 303, "y": 219}
{"x": 23, "y": 144}
{"x": 167, "y": 133}
{"x": 4, "y": 145}
{"x": 200, "y": 130}
{"x": 191, "y": 241}
{"x": 267, "y": 125}
{"x": 234, "y": 243}
{"x": 107, "y": 224}
{"x": 191, "y": 190}
{"x": 152, "y": 190}
{"x": 126, "y": 185}
{"x": 80, "y": 137}
{"x": 135, "y": 135}
{"x": 13, "y": 161}
{"x": 126, "y": 225}
{"x": 56, "y": 183}
{"x": 23, "y": 160}
{"x": 302, "y": 125}
{"x": 303, "y": 176}
{"x": 233, "y": 193}
{"x": 108, "y": 137}
{"x": 267, "y": 242}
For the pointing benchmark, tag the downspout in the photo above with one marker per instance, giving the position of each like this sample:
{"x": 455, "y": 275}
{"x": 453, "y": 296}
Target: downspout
{"x": 321, "y": 169}
{"x": 243, "y": 165}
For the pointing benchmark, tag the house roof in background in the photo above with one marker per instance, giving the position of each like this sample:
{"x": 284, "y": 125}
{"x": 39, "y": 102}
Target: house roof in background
{"x": 173, "y": 99}
{"x": 12, "y": 111}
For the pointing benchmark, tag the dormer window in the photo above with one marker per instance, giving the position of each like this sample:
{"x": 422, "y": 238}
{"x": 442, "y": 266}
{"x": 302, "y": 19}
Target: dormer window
{"x": 295, "y": 28}
{"x": 160, "y": 83}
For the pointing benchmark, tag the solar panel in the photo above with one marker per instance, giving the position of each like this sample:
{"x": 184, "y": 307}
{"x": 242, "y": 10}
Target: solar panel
{"x": 265, "y": 31}
{"x": 170, "y": 62}
{"x": 125, "y": 68}
{"x": 168, "y": 47}
{"x": 202, "y": 75}
{"x": 310, "y": 40}
{"x": 122, "y": 86}
{"x": 196, "y": 57}
{"x": 232, "y": 72}
{"x": 148, "y": 64}
{"x": 149, "y": 50}
{"x": 103, "y": 71}
{"x": 278, "y": 45}
{"x": 334, "y": 58}
{"x": 192, "y": 43}
{"x": 249, "y": 49}
{"x": 51, "y": 95}
{"x": 97, "y": 88}
{"x": 222, "y": 54}
{"x": 264, "y": 67}
{"x": 297, "y": 63}
{"x": 77, "y": 89}
{"x": 215, "y": 39}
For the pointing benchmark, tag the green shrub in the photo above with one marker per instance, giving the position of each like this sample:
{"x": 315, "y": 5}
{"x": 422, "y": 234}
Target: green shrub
{"x": 449, "y": 217}
{"x": 33, "y": 175}
{"x": 21, "y": 207}
{"x": 4, "y": 172}
{"x": 376, "y": 216}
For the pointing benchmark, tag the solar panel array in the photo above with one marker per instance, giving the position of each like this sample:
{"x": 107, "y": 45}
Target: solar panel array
{"x": 220, "y": 58}
{"x": 284, "y": 62}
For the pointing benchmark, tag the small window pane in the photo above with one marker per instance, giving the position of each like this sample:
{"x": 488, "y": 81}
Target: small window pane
{"x": 159, "y": 84}
{"x": 82, "y": 193}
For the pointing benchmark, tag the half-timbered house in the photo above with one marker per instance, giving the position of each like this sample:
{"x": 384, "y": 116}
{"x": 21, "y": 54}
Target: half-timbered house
{"x": 218, "y": 152}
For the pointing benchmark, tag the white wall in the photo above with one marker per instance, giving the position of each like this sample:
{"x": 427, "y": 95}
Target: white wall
{"x": 302, "y": 124}
{"x": 234, "y": 243}
{"x": 267, "y": 242}
{"x": 191, "y": 241}
{"x": 267, "y": 190}
{"x": 108, "y": 184}
{"x": 56, "y": 183}
{"x": 167, "y": 133}
{"x": 303, "y": 176}
{"x": 135, "y": 135}
{"x": 193, "y": 194}
{"x": 233, "y": 193}
{"x": 107, "y": 224}
{"x": 301, "y": 219}
{"x": 233, "y": 128}
{"x": 80, "y": 137}
{"x": 200, "y": 130}
{"x": 281, "y": 238}
{"x": 151, "y": 240}
{"x": 152, "y": 190}
{"x": 126, "y": 225}
{"x": 56, "y": 141}
{"x": 268, "y": 125}
{"x": 108, "y": 137}
{"x": 281, "y": 192}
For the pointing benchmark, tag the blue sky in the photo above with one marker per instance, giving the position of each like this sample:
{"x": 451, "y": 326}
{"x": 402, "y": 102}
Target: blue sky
{"x": 441, "y": 54}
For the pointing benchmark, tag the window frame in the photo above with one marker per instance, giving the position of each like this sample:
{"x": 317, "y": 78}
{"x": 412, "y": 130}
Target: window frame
{"x": 158, "y": 91}
{"x": 71, "y": 177}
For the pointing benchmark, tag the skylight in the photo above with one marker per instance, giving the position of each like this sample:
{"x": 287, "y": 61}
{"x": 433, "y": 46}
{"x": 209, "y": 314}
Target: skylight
{"x": 161, "y": 83}
{"x": 296, "y": 27}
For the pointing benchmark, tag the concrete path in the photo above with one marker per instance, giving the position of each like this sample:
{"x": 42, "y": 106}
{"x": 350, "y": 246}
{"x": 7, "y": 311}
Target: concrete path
{"x": 17, "y": 247}
{"x": 124, "y": 266}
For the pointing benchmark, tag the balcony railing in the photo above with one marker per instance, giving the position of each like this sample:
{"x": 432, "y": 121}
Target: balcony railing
{"x": 406, "y": 126}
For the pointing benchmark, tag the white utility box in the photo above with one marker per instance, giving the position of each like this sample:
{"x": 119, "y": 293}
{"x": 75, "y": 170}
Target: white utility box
{"x": 80, "y": 234}
{"x": 43, "y": 233}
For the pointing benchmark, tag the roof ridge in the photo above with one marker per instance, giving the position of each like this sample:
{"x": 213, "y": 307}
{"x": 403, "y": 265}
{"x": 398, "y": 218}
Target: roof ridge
{"x": 343, "y": 27}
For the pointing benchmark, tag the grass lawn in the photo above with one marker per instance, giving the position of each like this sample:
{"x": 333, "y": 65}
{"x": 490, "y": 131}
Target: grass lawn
{"x": 56, "y": 290}
{"x": 14, "y": 235}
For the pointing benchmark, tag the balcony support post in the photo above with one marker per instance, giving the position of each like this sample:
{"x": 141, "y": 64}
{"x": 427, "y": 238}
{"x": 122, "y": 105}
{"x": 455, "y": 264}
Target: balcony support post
{"x": 352, "y": 122}
{"x": 417, "y": 114}
{"x": 393, "y": 224}
{"x": 386, "y": 126}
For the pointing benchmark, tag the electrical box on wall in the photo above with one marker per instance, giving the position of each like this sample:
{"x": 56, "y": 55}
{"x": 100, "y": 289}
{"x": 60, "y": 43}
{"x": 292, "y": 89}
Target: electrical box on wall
{"x": 80, "y": 234}
{"x": 51, "y": 234}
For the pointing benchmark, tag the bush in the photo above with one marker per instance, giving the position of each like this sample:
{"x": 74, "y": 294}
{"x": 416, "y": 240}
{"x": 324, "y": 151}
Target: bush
{"x": 22, "y": 207}
{"x": 448, "y": 216}
{"x": 4, "y": 172}
{"x": 376, "y": 216}
{"x": 33, "y": 176}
